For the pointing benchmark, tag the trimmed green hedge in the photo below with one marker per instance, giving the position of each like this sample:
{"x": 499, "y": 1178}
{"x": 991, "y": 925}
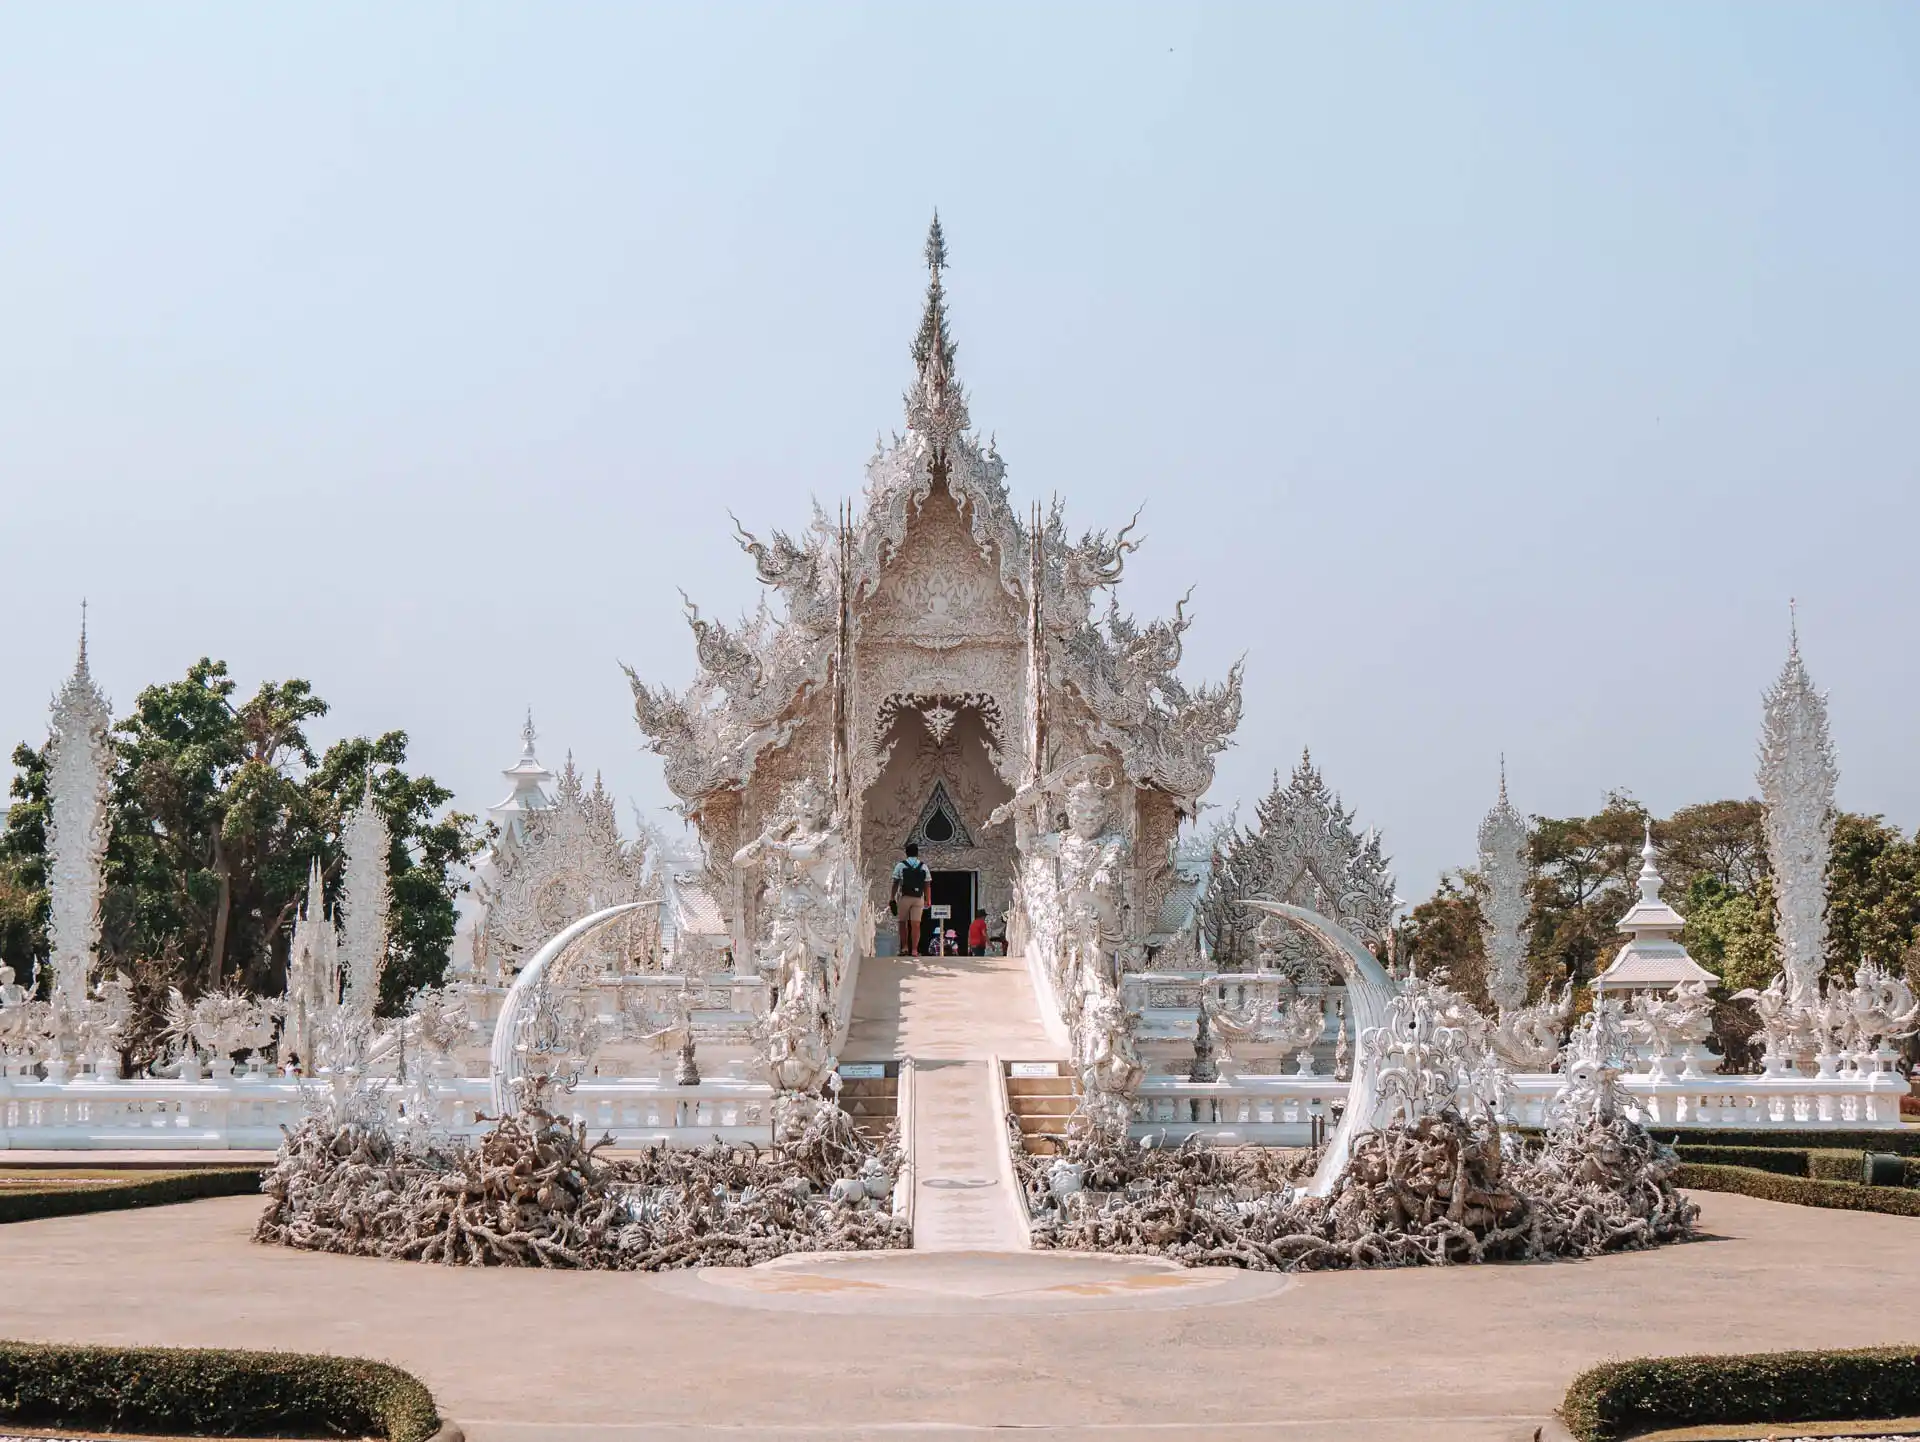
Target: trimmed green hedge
{"x": 1618, "y": 1399}
{"x": 1904, "y": 1140}
{"x": 29, "y": 1203}
{"x": 1831, "y": 1164}
{"x": 1787, "y": 1161}
{"x": 1801, "y": 1191}
{"x": 211, "y": 1393}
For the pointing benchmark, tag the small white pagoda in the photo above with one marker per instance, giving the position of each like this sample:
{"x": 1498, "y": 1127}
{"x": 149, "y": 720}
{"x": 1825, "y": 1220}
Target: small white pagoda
{"x": 1653, "y": 958}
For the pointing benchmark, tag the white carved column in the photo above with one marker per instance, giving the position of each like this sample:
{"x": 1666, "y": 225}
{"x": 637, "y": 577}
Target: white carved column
{"x": 1797, "y": 777}
{"x": 79, "y": 779}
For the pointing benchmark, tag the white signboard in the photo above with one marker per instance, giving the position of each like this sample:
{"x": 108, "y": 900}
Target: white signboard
{"x": 862, "y": 1070}
{"x": 940, "y": 913}
{"x": 1034, "y": 1069}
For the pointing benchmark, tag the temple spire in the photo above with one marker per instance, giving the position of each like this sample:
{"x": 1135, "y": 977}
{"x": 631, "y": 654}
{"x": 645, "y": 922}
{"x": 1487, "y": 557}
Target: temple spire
{"x": 936, "y": 406}
{"x": 933, "y": 346}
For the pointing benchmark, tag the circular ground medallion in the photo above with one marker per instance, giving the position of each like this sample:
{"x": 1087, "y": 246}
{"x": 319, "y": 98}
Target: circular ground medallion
{"x": 948, "y": 1283}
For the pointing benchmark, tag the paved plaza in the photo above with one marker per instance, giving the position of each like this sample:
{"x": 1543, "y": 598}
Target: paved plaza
{"x": 915, "y": 1345}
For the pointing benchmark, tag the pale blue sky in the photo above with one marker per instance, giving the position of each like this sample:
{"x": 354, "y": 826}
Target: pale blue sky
{"x": 1495, "y": 372}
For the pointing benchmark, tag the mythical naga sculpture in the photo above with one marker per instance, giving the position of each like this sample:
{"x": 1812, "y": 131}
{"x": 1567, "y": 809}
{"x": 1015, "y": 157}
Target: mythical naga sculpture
{"x": 1674, "y": 1026}
{"x": 1290, "y": 1024}
{"x": 1596, "y": 1056}
{"x": 1528, "y": 1038}
{"x": 1881, "y": 1009}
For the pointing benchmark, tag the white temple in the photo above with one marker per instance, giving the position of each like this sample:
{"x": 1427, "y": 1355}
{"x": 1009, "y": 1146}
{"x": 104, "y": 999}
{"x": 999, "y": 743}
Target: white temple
{"x": 928, "y": 656}
{"x": 936, "y": 667}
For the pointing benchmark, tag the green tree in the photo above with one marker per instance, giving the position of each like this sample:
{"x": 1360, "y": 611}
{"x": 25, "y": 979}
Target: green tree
{"x": 218, "y": 808}
{"x": 1873, "y": 896}
{"x": 1583, "y": 878}
{"x": 1442, "y": 937}
{"x": 23, "y": 871}
{"x": 1723, "y": 840}
{"x": 1730, "y": 931}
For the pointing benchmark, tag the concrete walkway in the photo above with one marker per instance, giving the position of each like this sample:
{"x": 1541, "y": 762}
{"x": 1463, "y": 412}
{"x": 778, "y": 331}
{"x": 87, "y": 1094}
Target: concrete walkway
{"x": 951, "y": 1015}
{"x": 1462, "y": 1354}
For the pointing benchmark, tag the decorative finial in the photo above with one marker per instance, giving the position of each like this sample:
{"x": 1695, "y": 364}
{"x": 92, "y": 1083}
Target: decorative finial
{"x": 527, "y": 736}
{"x": 83, "y": 633}
{"x": 1503, "y": 778}
{"x": 933, "y": 347}
{"x": 1793, "y": 626}
{"x": 936, "y": 245}
{"x": 1650, "y": 879}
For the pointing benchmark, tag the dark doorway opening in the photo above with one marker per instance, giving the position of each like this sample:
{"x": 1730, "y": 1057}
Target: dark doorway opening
{"x": 955, "y": 890}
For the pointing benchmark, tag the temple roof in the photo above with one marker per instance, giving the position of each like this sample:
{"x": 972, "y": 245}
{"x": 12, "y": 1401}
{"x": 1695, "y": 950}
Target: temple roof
{"x": 753, "y": 674}
{"x": 1654, "y": 957}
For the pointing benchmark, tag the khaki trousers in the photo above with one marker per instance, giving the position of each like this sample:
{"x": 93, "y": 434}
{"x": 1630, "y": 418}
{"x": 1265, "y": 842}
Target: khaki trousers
{"x": 911, "y": 909}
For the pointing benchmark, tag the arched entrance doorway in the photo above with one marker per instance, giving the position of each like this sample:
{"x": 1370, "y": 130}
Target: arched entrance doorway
{"x": 936, "y": 789}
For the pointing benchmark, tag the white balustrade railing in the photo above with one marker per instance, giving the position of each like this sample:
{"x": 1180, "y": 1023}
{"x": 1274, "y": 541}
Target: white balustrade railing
{"x": 248, "y": 1113}
{"x": 1265, "y": 1110}
{"x": 1280, "y": 1110}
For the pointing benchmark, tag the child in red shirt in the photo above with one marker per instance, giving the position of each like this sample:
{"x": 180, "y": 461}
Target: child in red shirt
{"x": 977, "y": 934}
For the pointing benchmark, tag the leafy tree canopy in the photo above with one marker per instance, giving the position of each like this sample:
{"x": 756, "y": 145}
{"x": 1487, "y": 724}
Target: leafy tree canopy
{"x": 1713, "y": 860}
{"x": 218, "y": 806}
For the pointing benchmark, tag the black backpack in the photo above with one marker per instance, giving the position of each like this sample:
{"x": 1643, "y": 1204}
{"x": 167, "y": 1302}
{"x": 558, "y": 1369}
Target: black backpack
{"x": 913, "y": 877}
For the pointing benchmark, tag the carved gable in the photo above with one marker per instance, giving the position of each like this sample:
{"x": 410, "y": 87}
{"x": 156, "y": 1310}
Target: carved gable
{"x": 939, "y": 591}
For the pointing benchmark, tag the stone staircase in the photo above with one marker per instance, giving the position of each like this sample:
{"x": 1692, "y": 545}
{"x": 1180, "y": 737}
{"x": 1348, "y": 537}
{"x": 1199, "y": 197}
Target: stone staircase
{"x": 872, "y": 1102}
{"x": 950, "y": 1017}
{"x": 1043, "y": 1107}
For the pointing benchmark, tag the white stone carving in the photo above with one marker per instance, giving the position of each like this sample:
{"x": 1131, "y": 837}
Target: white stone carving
{"x": 313, "y": 974}
{"x": 1674, "y": 1027}
{"x": 1303, "y": 849}
{"x": 811, "y": 934}
{"x": 939, "y": 720}
{"x": 1528, "y": 1038}
{"x": 365, "y": 901}
{"x": 79, "y": 783}
{"x": 1596, "y": 1056}
{"x": 568, "y": 859}
{"x": 1797, "y": 776}
{"x": 1427, "y": 1059}
{"x": 1078, "y": 902}
{"x": 1506, "y": 869}
{"x": 222, "y": 1023}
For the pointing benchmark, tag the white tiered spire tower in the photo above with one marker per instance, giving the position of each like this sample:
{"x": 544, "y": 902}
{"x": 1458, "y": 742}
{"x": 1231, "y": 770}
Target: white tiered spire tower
{"x": 79, "y": 780}
{"x": 1797, "y": 776}
{"x": 529, "y": 780}
{"x": 1504, "y": 867}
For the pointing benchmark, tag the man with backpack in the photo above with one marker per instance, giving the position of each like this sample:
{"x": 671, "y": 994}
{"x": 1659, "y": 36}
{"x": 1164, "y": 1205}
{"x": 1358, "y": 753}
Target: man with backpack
{"x": 908, "y": 900}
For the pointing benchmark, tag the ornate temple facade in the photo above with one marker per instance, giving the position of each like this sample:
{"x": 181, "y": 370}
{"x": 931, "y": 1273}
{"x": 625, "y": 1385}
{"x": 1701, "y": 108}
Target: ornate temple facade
{"x": 925, "y": 656}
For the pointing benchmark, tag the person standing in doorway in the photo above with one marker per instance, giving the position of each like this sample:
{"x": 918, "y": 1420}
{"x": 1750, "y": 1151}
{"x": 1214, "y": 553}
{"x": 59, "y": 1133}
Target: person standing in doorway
{"x": 908, "y": 900}
{"x": 977, "y": 933}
